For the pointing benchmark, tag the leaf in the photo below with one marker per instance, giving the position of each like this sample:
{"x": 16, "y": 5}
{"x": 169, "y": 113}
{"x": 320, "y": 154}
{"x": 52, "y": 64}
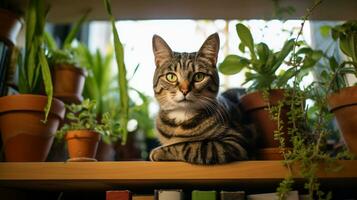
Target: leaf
{"x": 285, "y": 51}
{"x": 74, "y": 31}
{"x": 46, "y": 75}
{"x": 122, "y": 81}
{"x": 246, "y": 38}
{"x": 241, "y": 47}
{"x": 263, "y": 52}
{"x": 325, "y": 30}
{"x": 233, "y": 64}
{"x": 50, "y": 41}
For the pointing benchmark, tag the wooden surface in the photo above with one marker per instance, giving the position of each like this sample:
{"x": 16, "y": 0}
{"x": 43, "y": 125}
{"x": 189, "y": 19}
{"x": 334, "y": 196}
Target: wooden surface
{"x": 108, "y": 175}
{"x": 71, "y": 10}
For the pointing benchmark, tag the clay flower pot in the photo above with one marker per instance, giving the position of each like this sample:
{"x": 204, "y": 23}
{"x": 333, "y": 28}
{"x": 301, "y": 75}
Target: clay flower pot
{"x": 344, "y": 105}
{"x": 68, "y": 82}
{"x": 26, "y": 138}
{"x": 256, "y": 108}
{"x": 10, "y": 26}
{"x": 82, "y": 145}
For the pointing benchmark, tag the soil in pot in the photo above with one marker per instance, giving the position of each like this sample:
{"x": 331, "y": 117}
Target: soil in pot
{"x": 344, "y": 106}
{"x": 255, "y": 106}
{"x": 25, "y": 137}
{"x": 68, "y": 82}
{"x": 82, "y": 145}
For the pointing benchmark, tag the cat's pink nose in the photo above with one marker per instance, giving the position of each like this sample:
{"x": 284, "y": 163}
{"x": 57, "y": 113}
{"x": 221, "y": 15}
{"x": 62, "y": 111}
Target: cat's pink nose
{"x": 184, "y": 92}
{"x": 185, "y": 87}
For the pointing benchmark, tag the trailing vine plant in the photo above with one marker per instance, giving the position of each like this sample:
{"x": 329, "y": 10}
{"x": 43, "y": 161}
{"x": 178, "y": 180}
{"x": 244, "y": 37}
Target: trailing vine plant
{"x": 307, "y": 133}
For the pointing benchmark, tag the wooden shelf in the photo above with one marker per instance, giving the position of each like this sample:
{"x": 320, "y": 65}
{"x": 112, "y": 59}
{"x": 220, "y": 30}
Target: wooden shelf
{"x": 64, "y": 11}
{"x": 109, "y": 175}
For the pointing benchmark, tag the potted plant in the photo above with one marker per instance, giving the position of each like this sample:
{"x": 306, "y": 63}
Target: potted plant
{"x": 343, "y": 101}
{"x": 83, "y": 131}
{"x": 121, "y": 78}
{"x": 268, "y": 81}
{"x": 10, "y": 26}
{"x": 99, "y": 86}
{"x": 28, "y": 121}
{"x": 67, "y": 75}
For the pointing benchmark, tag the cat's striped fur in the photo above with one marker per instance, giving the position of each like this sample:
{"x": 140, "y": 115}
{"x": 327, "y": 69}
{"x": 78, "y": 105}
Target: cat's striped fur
{"x": 193, "y": 124}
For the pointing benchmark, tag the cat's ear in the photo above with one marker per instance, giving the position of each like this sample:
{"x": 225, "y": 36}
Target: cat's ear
{"x": 209, "y": 49}
{"x": 162, "y": 51}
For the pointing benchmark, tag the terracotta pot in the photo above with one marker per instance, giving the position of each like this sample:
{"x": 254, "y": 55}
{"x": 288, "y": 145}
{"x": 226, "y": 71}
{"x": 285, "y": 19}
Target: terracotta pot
{"x": 255, "y": 106}
{"x": 26, "y": 138}
{"x": 82, "y": 145}
{"x": 68, "y": 82}
{"x": 344, "y": 105}
{"x": 10, "y": 26}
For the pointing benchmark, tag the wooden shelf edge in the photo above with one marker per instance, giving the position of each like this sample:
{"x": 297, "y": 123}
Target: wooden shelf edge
{"x": 157, "y": 170}
{"x": 108, "y": 175}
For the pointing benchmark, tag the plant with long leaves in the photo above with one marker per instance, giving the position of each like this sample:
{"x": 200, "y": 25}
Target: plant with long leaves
{"x": 66, "y": 54}
{"x": 33, "y": 68}
{"x": 122, "y": 80}
{"x": 99, "y": 81}
{"x": 264, "y": 65}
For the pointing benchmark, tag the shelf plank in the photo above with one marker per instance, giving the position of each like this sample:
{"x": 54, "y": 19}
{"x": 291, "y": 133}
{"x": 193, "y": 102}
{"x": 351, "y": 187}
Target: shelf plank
{"x": 108, "y": 175}
{"x": 65, "y": 11}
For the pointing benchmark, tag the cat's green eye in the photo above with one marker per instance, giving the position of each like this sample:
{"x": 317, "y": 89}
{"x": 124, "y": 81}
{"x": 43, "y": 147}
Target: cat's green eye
{"x": 198, "y": 77}
{"x": 171, "y": 77}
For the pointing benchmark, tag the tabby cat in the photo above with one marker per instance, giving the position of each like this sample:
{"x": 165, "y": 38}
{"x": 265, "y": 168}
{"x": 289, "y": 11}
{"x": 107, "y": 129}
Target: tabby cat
{"x": 193, "y": 124}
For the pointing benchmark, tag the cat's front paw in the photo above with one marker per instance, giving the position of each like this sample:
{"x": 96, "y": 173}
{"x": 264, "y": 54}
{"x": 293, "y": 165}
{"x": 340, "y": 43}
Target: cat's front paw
{"x": 156, "y": 154}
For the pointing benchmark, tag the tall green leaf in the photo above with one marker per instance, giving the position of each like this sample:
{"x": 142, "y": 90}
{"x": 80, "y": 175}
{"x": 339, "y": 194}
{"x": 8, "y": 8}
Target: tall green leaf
{"x": 246, "y": 38}
{"x": 122, "y": 81}
{"x": 74, "y": 31}
{"x": 285, "y": 51}
{"x": 46, "y": 75}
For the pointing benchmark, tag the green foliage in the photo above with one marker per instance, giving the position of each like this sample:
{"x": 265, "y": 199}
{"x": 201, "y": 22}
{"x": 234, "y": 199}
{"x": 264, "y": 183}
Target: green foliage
{"x": 335, "y": 73}
{"x": 264, "y": 66}
{"x": 307, "y": 128}
{"x": 84, "y": 117}
{"x": 347, "y": 35}
{"x": 66, "y": 54}
{"x": 141, "y": 114}
{"x": 122, "y": 81}
{"x": 34, "y": 69}
{"x": 98, "y": 84}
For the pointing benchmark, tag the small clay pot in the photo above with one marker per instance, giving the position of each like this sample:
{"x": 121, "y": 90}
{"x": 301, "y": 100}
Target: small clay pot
{"x": 10, "y": 26}
{"x": 26, "y": 138}
{"x": 82, "y": 145}
{"x": 344, "y": 105}
{"x": 255, "y": 106}
{"x": 68, "y": 82}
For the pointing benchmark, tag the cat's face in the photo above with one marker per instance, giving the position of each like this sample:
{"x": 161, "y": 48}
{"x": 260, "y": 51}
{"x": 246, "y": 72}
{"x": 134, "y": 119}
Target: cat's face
{"x": 186, "y": 80}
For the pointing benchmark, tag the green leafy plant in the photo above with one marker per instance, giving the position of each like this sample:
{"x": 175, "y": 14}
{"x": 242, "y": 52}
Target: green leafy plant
{"x": 122, "y": 80}
{"x": 84, "y": 117}
{"x": 99, "y": 82}
{"x": 33, "y": 68}
{"x": 66, "y": 54}
{"x": 346, "y": 34}
{"x": 264, "y": 65}
{"x": 308, "y": 132}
